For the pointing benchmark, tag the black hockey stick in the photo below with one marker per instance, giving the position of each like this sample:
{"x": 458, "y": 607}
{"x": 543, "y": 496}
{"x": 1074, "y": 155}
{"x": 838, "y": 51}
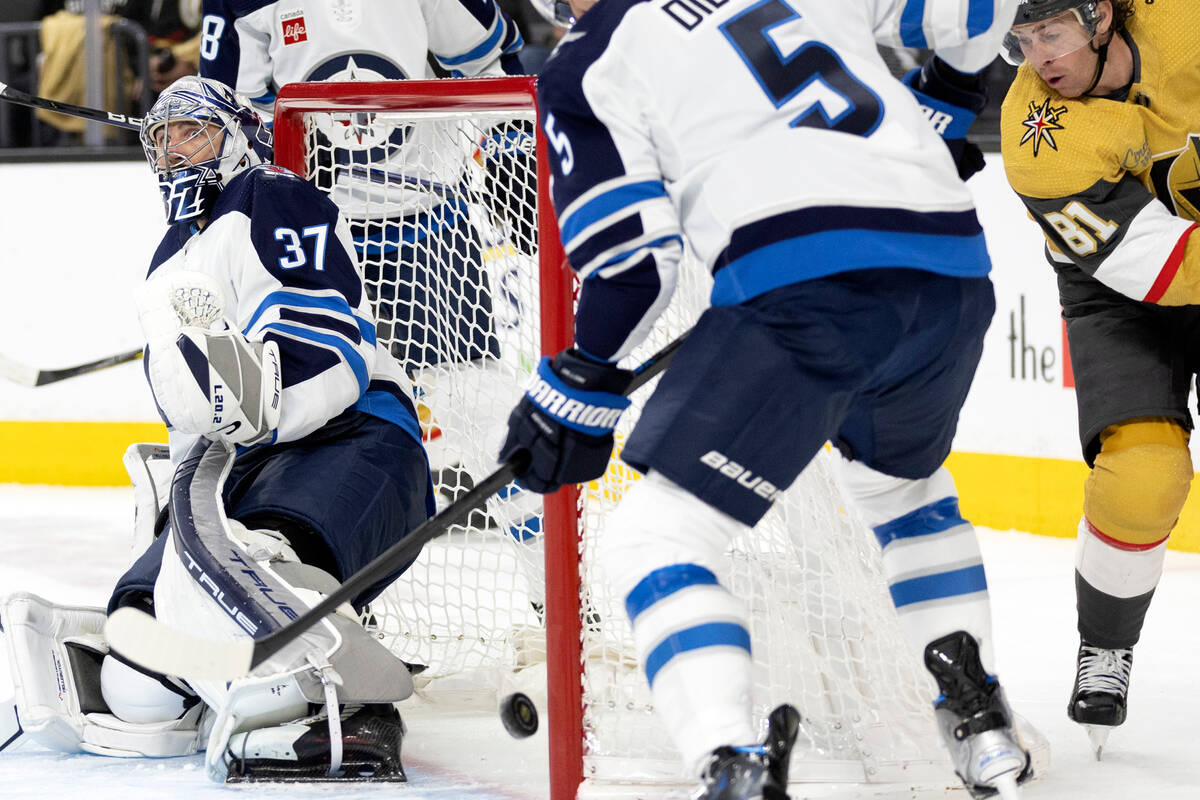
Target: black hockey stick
{"x": 26, "y": 375}
{"x": 33, "y": 101}
{"x": 167, "y": 650}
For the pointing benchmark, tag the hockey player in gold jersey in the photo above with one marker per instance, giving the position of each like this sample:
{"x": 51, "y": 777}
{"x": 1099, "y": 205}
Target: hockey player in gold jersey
{"x": 1101, "y": 139}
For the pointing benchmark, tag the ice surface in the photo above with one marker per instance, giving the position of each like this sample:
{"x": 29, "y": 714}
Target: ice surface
{"x": 69, "y": 545}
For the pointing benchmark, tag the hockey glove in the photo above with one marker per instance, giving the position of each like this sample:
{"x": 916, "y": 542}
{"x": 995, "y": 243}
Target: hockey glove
{"x": 951, "y": 100}
{"x": 206, "y": 378}
{"x": 218, "y": 384}
{"x": 565, "y": 421}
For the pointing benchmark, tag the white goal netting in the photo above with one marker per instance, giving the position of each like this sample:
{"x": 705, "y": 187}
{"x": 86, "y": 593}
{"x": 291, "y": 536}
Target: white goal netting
{"x": 440, "y": 182}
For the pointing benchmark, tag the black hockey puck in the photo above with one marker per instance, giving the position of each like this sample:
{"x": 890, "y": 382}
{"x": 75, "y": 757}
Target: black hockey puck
{"x": 519, "y": 715}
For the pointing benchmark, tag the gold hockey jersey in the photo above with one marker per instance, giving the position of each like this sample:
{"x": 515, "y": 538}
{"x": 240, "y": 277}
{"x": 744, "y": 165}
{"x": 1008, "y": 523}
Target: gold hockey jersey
{"x": 1115, "y": 186}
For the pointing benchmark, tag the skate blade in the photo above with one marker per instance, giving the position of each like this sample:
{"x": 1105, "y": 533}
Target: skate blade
{"x": 1098, "y": 734}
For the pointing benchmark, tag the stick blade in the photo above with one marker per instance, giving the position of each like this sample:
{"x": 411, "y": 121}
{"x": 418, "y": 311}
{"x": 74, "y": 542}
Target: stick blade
{"x": 144, "y": 640}
{"x": 17, "y": 372}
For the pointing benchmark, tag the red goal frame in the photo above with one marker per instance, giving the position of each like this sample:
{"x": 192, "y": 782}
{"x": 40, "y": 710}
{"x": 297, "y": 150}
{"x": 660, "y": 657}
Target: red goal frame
{"x": 557, "y": 292}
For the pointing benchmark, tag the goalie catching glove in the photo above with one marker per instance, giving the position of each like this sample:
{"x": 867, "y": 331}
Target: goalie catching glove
{"x": 565, "y": 421}
{"x": 207, "y": 379}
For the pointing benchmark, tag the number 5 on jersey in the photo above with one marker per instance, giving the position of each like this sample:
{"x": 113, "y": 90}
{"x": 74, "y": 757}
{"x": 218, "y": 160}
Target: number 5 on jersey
{"x": 832, "y": 97}
{"x": 295, "y": 253}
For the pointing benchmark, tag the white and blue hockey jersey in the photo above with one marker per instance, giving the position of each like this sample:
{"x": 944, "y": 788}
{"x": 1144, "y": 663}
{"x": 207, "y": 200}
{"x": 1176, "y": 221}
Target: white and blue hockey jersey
{"x": 258, "y": 46}
{"x": 283, "y": 257}
{"x": 767, "y": 133}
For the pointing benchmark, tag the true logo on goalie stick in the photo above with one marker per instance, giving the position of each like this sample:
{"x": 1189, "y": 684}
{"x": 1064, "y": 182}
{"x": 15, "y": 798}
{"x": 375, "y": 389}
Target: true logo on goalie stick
{"x": 207, "y": 583}
{"x": 264, "y": 588}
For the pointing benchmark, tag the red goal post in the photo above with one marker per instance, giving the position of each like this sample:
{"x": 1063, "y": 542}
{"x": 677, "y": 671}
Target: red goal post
{"x": 562, "y": 619}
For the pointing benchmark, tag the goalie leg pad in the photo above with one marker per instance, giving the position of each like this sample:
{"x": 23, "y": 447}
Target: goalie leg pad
{"x": 55, "y": 655}
{"x": 662, "y": 550}
{"x": 150, "y": 469}
{"x": 931, "y": 557}
{"x": 211, "y": 579}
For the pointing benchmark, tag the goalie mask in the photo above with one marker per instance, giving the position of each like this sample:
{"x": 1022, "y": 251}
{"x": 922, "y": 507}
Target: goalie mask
{"x": 1048, "y": 29}
{"x": 198, "y": 136}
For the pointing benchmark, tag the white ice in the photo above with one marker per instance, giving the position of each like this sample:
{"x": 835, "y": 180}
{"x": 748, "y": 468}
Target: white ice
{"x": 70, "y": 544}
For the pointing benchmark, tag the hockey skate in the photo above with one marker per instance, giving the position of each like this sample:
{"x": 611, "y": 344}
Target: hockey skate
{"x": 300, "y": 751}
{"x": 756, "y": 772}
{"x": 1098, "y": 701}
{"x": 975, "y": 720}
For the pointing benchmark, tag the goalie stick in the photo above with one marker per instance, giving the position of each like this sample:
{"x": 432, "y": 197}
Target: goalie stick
{"x": 26, "y": 375}
{"x": 161, "y": 648}
{"x": 33, "y": 101}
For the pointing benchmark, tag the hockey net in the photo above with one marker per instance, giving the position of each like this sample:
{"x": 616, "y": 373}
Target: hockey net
{"x": 446, "y": 184}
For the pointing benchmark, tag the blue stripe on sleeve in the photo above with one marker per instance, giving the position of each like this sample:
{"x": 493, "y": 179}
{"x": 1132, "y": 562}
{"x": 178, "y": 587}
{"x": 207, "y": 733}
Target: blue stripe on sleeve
{"x": 349, "y": 354}
{"x": 480, "y": 50}
{"x": 665, "y": 582}
{"x": 967, "y": 580}
{"x": 659, "y": 242}
{"x": 980, "y": 15}
{"x": 912, "y": 24}
{"x": 935, "y": 517}
{"x": 609, "y": 203}
{"x": 333, "y": 303}
{"x": 713, "y": 634}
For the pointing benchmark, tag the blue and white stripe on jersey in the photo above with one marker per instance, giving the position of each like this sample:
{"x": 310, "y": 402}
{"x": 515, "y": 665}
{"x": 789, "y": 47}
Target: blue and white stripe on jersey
{"x": 501, "y": 38}
{"x": 678, "y": 610}
{"x": 931, "y": 556}
{"x": 947, "y": 25}
{"x": 319, "y": 319}
{"x": 818, "y": 241}
{"x": 613, "y": 224}
{"x": 918, "y": 30}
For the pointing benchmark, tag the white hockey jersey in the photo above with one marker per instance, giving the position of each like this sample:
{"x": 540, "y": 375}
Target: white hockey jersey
{"x": 769, "y": 133}
{"x": 258, "y": 46}
{"x": 283, "y": 257}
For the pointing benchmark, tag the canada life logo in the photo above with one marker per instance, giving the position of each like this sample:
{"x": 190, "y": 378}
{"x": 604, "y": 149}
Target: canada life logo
{"x": 294, "y": 29}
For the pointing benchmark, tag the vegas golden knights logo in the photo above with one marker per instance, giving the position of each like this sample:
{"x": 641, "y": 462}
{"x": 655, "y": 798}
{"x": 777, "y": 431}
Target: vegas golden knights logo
{"x": 1041, "y": 124}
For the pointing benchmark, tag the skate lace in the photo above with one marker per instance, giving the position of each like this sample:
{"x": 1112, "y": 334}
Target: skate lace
{"x": 1102, "y": 670}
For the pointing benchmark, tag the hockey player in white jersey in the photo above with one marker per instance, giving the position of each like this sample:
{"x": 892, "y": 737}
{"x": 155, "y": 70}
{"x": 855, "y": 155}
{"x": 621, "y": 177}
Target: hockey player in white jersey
{"x": 850, "y": 301}
{"x": 259, "y": 337}
{"x": 402, "y": 187}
